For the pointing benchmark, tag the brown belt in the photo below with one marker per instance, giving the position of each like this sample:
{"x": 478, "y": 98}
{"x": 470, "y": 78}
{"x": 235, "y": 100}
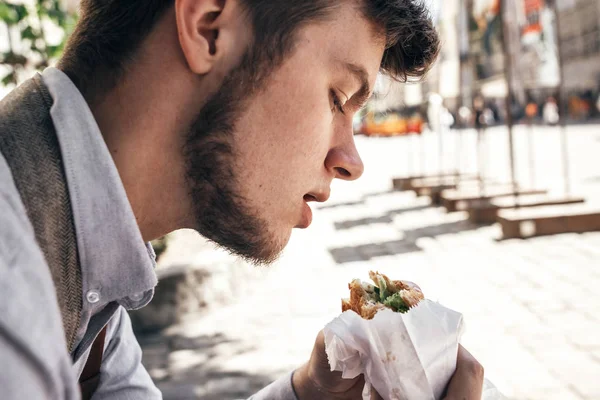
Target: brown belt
{"x": 90, "y": 377}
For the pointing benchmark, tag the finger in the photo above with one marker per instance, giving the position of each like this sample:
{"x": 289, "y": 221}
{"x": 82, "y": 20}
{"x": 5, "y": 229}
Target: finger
{"x": 467, "y": 381}
{"x": 375, "y": 395}
{"x": 468, "y": 361}
{"x": 319, "y": 354}
{"x": 331, "y": 381}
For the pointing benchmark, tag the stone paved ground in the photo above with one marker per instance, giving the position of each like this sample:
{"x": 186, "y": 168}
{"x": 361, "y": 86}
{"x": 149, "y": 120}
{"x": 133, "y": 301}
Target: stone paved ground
{"x": 532, "y": 308}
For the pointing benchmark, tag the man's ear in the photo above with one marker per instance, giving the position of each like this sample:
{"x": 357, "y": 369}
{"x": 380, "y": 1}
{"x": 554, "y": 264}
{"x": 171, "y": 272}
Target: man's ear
{"x": 198, "y": 30}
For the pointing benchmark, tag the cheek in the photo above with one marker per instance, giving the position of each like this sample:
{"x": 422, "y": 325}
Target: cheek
{"x": 282, "y": 140}
{"x": 289, "y": 127}
{"x": 302, "y": 124}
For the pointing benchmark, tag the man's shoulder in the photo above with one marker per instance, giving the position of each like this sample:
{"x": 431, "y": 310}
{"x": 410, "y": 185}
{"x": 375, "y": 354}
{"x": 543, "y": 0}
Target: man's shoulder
{"x": 16, "y": 232}
{"x": 29, "y": 313}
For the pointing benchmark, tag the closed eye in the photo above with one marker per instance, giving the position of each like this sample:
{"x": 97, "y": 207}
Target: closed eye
{"x": 337, "y": 104}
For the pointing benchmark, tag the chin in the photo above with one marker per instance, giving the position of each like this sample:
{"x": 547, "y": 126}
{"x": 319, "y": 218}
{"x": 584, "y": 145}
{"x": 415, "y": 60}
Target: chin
{"x": 282, "y": 241}
{"x": 273, "y": 245}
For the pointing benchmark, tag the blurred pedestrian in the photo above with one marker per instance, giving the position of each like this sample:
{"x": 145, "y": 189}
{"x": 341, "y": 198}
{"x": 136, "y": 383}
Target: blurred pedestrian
{"x": 447, "y": 119}
{"x": 531, "y": 111}
{"x": 550, "y": 112}
{"x": 465, "y": 116}
{"x": 479, "y": 108}
{"x": 481, "y": 122}
{"x": 435, "y": 107}
{"x": 488, "y": 117}
{"x": 226, "y": 117}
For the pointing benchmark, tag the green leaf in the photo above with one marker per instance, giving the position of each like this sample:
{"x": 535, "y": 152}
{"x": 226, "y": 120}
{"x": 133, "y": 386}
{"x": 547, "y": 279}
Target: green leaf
{"x": 55, "y": 15}
{"x": 11, "y": 77}
{"x": 38, "y": 52}
{"x": 22, "y": 12}
{"x": 384, "y": 293}
{"x": 396, "y": 303}
{"x": 54, "y": 51}
{"x": 69, "y": 24}
{"x": 54, "y": 11}
{"x": 8, "y": 14}
{"x": 28, "y": 33}
{"x": 4, "y": 11}
{"x": 40, "y": 8}
{"x": 12, "y": 13}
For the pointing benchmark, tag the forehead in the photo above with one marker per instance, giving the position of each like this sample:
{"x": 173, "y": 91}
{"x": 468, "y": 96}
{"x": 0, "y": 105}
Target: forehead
{"x": 346, "y": 37}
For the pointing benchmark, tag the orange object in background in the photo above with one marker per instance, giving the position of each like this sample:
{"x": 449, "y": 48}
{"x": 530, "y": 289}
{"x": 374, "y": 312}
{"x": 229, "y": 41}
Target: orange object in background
{"x": 531, "y": 110}
{"x": 579, "y": 108}
{"x": 390, "y": 124}
{"x": 532, "y": 9}
{"x": 415, "y": 124}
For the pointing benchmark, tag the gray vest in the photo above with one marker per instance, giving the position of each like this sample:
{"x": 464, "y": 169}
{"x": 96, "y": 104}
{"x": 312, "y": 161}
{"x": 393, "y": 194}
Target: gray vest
{"x": 29, "y": 144}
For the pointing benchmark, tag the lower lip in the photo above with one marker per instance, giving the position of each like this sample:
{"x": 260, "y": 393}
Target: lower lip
{"x": 306, "y": 216}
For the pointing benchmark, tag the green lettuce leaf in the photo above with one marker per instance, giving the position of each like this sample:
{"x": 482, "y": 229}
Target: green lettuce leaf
{"x": 396, "y": 303}
{"x": 381, "y": 289}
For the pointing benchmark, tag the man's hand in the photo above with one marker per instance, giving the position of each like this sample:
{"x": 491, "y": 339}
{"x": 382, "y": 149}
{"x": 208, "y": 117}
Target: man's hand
{"x": 467, "y": 381}
{"x": 315, "y": 380}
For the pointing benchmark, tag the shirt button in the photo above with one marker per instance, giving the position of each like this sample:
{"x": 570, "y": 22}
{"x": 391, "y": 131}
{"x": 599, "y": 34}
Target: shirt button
{"x": 137, "y": 296}
{"x": 92, "y": 296}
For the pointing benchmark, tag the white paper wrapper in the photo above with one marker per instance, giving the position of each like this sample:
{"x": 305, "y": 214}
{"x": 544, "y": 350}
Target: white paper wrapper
{"x": 402, "y": 356}
{"x": 490, "y": 392}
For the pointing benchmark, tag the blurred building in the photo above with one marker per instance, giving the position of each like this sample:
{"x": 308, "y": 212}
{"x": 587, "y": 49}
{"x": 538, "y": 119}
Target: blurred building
{"x": 538, "y": 62}
{"x": 474, "y": 55}
{"x": 444, "y": 78}
{"x": 580, "y": 36}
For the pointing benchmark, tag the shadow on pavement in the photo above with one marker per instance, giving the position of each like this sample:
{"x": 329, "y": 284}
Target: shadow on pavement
{"x": 376, "y": 194}
{"x": 187, "y": 368}
{"x": 383, "y": 219}
{"x": 338, "y": 205}
{"x": 356, "y": 202}
{"x": 433, "y": 231}
{"x": 399, "y": 211}
{"x": 369, "y": 251}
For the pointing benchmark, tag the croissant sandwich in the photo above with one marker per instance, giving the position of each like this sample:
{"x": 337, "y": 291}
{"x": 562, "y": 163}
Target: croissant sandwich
{"x": 366, "y": 299}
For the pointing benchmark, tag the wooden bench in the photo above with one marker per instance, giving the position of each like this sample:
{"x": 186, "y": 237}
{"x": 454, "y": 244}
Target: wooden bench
{"x": 486, "y": 212}
{"x": 548, "y": 220}
{"x": 406, "y": 183}
{"x": 462, "y": 199}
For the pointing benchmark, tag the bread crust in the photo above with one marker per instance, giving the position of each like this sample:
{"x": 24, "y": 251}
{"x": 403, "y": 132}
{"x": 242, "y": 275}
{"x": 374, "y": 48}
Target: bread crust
{"x": 364, "y": 297}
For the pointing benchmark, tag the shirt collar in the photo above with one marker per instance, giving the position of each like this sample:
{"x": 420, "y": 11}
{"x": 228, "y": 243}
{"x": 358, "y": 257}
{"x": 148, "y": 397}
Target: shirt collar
{"x": 116, "y": 264}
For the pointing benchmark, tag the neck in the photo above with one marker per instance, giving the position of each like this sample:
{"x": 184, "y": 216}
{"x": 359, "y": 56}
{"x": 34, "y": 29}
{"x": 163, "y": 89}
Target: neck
{"x": 143, "y": 121}
{"x": 139, "y": 138}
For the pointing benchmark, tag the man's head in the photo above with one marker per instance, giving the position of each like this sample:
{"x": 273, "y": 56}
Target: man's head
{"x": 257, "y": 104}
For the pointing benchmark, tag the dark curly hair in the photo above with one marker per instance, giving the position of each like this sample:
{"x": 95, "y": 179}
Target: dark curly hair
{"x": 110, "y": 31}
{"x": 412, "y": 43}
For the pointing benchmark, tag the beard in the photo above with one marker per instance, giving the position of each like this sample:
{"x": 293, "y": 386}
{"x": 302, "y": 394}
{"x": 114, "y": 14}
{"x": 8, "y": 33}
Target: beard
{"x": 220, "y": 212}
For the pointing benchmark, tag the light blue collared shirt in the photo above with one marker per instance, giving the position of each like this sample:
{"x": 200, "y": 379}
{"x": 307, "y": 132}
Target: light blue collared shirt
{"x": 117, "y": 270}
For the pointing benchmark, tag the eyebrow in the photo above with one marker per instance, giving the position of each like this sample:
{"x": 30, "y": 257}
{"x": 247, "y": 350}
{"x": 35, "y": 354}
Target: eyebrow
{"x": 364, "y": 93}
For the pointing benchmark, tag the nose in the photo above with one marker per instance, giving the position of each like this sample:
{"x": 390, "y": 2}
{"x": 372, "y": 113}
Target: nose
{"x": 344, "y": 161}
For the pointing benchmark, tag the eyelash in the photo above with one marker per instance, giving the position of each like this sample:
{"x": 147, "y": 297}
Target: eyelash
{"x": 337, "y": 104}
